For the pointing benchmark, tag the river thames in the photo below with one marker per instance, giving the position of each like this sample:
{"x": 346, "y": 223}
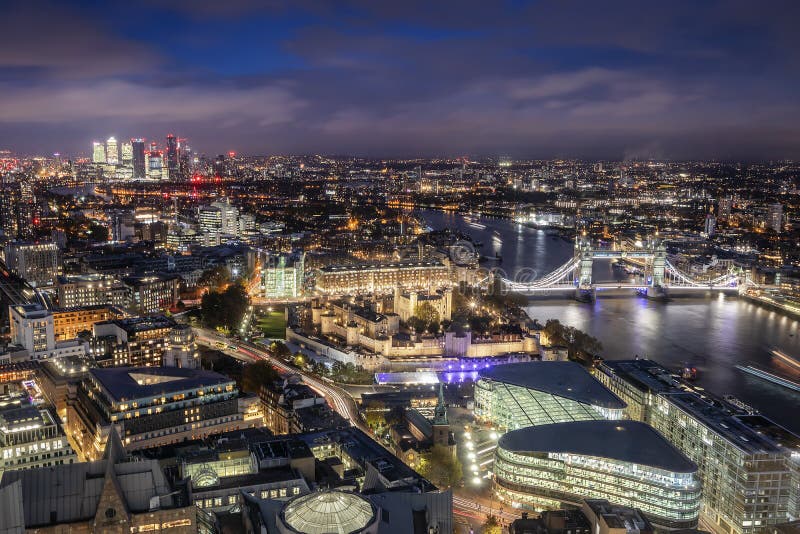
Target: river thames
{"x": 712, "y": 332}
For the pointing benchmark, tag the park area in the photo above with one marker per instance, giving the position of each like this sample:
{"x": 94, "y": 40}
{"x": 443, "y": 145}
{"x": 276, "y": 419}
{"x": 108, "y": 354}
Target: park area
{"x": 272, "y": 322}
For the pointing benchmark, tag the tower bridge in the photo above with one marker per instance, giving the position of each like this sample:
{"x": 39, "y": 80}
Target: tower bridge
{"x": 659, "y": 275}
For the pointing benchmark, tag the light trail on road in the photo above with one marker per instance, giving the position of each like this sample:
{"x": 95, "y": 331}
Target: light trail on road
{"x": 341, "y": 401}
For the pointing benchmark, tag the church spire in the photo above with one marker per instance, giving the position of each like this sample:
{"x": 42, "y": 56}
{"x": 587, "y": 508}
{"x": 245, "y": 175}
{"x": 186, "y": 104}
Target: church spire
{"x": 440, "y": 412}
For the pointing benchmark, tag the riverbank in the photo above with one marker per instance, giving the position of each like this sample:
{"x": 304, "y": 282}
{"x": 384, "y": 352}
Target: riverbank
{"x": 786, "y": 309}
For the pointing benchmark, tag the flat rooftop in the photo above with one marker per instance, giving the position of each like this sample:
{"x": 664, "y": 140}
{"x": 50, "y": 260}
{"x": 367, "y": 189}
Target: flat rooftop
{"x": 751, "y": 433}
{"x": 626, "y": 440}
{"x": 141, "y": 324}
{"x": 380, "y": 266}
{"x": 564, "y": 379}
{"x": 128, "y": 383}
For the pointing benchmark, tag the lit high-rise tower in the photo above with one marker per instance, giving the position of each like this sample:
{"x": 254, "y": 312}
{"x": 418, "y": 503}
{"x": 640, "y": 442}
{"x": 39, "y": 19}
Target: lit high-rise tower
{"x": 127, "y": 153}
{"x": 98, "y": 152}
{"x": 112, "y": 151}
{"x": 139, "y": 168}
{"x": 172, "y": 155}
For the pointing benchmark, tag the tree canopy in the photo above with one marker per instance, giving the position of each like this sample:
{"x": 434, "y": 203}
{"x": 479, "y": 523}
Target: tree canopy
{"x": 258, "y": 374}
{"x": 581, "y": 346}
{"x": 225, "y": 309}
{"x": 441, "y": 466}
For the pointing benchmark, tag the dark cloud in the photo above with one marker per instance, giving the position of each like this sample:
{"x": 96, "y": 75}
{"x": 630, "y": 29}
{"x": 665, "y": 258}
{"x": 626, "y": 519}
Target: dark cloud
{"x": 50, "y": 39}
{"x": 578, "y": 78}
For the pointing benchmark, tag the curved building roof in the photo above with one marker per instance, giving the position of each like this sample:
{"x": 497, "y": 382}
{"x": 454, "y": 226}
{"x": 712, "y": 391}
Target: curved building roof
{"x": 328, "y": 512}
{"x": 627, "y": 441}
{"x": 565, "y": 379}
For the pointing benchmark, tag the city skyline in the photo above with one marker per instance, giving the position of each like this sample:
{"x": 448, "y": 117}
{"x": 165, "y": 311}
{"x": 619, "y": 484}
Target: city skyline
{"x": 538, "y": 80}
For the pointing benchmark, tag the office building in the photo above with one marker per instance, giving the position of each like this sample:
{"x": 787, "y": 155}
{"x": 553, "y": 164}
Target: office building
{"x": 748, "y": 465}
{"x": 112, "y": 494}
{"x": 209, "y": 219}
{"x": 139, "y": 164}
{"x": 90, "y": 290}
{"x": 775, "y": 217}
{"x": 156, "y": 170}
{"x": 37, "y": 262}
{"x": 382, "y": 277}
{"x": 219, "y": 475}
{"x": 152, "y": 293}
{"x": 135, "y": 341}
{"x": 69, "y": 322}
{"x": 625, "y": 462}
{"x": 33, "y": 328}
{"x": 172, "y": 155}
{"x": 29, "y": 435}
{"x": 127, "y": 154}
{"x": 112, "y": 151}
{"x": 518, "y": 395}
{"x": 150, "y": 407}
{"x": 282, "y": 276}
{"x": 98, "y": 152}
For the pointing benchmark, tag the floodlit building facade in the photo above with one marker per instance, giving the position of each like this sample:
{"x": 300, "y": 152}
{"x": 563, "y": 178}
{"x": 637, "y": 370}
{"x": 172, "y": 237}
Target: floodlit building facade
{"x": 748, "y": 465}
{"x": 625, "y": 462}
{"x": 150, "y": 406}
{"x": 282, "y": 276}
{"x": 382, "y": 277}
{"x": 519, "y": 395}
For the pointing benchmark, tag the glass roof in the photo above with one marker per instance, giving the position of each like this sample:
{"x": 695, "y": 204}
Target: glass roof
{"x": 328, "y": 512}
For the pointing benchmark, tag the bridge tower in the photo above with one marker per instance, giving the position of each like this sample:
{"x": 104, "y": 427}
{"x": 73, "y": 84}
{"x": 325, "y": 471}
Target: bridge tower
{"x": 584, "y": 252}
{"x": 659, "y": 263}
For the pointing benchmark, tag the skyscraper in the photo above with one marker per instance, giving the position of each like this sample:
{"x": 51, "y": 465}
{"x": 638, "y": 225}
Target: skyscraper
{"x": 155, "y": 163}
{"x": 172, "y": 155}
{"x": 139, "y": 169}
{"x": 98, "y": 152}
{"x": 710, "y": 225}
{"x": 112, "y": 151}
{"x": 775, "y": 217}
{"x": 127, "y": 153}
{"x": 724, "y": 208}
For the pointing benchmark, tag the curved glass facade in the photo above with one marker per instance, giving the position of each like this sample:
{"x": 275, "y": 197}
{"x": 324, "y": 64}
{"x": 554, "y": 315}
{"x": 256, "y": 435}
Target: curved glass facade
{"x": 542, "y": 480}
{"x": 511, "y": 407}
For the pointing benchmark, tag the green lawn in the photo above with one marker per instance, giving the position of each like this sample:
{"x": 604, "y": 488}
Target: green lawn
{"x": 273, "y": 324}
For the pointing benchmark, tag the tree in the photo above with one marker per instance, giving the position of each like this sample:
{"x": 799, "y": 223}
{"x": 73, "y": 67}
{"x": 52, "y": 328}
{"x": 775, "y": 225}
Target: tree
{"x": 492, "y": 525}
{"x": 225, "y": 309}
{"x": 426, "y": 312}
{"x": 215, "y": 277}
{"x": 581, "y": 346}
{"x": 441, "y": 466}
{"x": 555, "y": 332}
{"x": 280, "y": 350}
{"x": 97, "y": 233}
{"x": 376, "y": 414}
{"x": 258, "y": 374}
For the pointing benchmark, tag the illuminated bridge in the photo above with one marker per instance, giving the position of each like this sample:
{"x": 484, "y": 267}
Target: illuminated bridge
{"x": 659, "y": 275}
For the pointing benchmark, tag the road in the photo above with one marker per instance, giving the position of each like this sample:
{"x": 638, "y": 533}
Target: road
{"x": 339, "y": 399}
{"x": 474, "y": 510}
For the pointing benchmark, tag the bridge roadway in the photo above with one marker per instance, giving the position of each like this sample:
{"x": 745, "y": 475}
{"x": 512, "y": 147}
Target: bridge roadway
{"x": 613, "y": 285}
{"x": 345, "y": 405}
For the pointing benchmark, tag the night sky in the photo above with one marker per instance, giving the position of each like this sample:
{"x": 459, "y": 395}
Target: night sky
{"x": 594, "y": 79}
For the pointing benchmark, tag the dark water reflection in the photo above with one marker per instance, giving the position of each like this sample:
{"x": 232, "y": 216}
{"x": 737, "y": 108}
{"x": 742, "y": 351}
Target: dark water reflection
{"x": 711, "y": 332}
